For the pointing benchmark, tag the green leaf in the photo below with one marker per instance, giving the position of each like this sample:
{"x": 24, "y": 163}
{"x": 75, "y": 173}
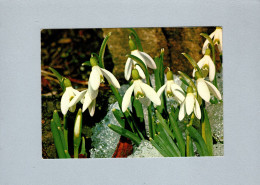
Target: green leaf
{"x": 119, "y": 117}
{"x": 138, "y": 108}
{"x": 206, "y": 131}
{"x": 197, "y": 137}
{"x": 163, "y": 122}
{"x": 83, "y": 146}
{"x": 166, "y": 146}
{"x": 164, "y": 154}
{"x": 125, "y": 133}
{"x": 59, "y": 77}
{"x": 57, "y": 140}
{"x": 137, "y": 40}
{"x": 192, "y": 62}
{"x": 102, "y": 50}
{"x": 178, "y": 135}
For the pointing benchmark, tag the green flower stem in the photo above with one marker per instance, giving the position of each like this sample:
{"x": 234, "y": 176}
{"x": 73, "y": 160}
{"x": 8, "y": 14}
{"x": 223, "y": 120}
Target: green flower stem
{"x": 119, "y": 117}
{"x": 178, "y": 135}
{"x": 206, "y": 132}
{"x": 137, "y": 40}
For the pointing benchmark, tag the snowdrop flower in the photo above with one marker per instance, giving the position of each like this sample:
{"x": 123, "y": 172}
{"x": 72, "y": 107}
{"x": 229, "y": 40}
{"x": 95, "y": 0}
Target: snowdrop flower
{"x": 88, "y": 96}
{"x": 97, "y": 75}
{"x": 68, "y": 95}
{"x": 147, "y": 60}
{"x": 143, "y": 92}
{"x": 207, "y": 66}
{"x": 172, "y": 89}
{"x": 217, "y": 34}
{"x": 204, "y": 88}
{"x": 189, "y": 105}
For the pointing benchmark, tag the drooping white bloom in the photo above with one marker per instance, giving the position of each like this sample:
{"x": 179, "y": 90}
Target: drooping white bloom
{"x": 189, "y": 105}
{"x": 206, "y": 62}
{"x": 147, "y": 60}
{"x": 217, "y": 39}
{"x": 89, "y": 95}
{"x": 143, "y": 92}
{"x": 88, "y": 99}
{"x": 68, "y": 95}
{"x": 204, "y": 88}
{"x": 172, "y": 89}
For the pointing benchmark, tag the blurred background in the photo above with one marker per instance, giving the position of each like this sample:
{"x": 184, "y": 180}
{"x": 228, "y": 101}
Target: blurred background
{"x": 66, "y": 49}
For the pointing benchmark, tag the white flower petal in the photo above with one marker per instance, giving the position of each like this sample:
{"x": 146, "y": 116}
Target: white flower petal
{"x": 87, "y": 102}
{"x": 145, "y": 101}
{"x": 148, "y": 60}
{"x": 138, "y": 54}
{"x": 189, "y": 103}
{"x": 197, "y": 110}
{"x": 182, "y": 111}
{"x": 65, "y": 99}
{"x": 212, "y": 69}
{"x": 77, "y": 98}
{"x": 72, "y": 108}
{"x": 150, "y": 93}
{"x": 200, "y": 64}
{"x": 205, "y": 45}
{"x": 127, "y": 98}
{"x": 75, "y": 91}
{"x": 214, "y": 90}
{"x": 203, "y": 89}
{"x": 92, "y": 93}
{"x": 110, "y": 78}
{"x": 140, "y": 71}
{"x": 178, "y": 92}
{"x": 159, "y": 92}
{"x": 92, "y": 107}
{"x": 94, "y": 79}
{"x": 128, "y": 68}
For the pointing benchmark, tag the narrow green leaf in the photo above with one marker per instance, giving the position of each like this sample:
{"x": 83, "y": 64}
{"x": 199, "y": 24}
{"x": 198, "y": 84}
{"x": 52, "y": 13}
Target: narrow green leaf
{"x": 208, "y": 134}
{"x": 164, "y": 154}
{"x": 125, "y": 133}
{"x": 165, "y": 136}
{"x": 119, "y": 117}
{"x": 166, "y": 146}
{"x": 178, "y": 134}
{"x": 197, "y": 137}
{"x": 57, "y": 140}
{"x": 137, "y": 39}
{"x": 163, "y": 122}
{"x": 102, "y": 50}
{"x": 138, "y": 109}
{"x": 192, "y": 62}
{"x": 83, "y": 146}
{"x": 59, "y": 77}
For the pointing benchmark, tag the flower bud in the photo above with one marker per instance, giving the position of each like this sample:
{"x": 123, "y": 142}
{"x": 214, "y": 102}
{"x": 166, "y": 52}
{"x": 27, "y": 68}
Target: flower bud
{"x": 132, "y": 44}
